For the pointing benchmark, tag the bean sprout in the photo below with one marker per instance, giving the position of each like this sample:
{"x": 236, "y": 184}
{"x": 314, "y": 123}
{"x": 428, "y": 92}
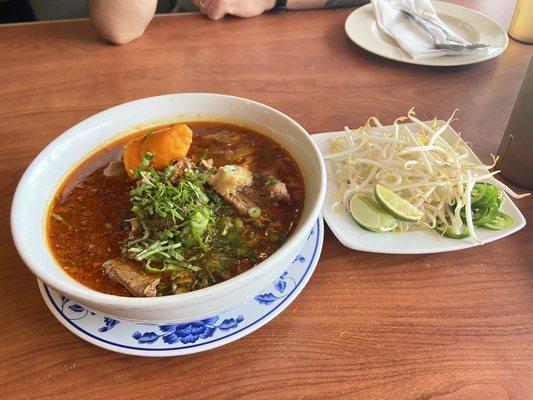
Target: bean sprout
{"x": 437, "y": 177}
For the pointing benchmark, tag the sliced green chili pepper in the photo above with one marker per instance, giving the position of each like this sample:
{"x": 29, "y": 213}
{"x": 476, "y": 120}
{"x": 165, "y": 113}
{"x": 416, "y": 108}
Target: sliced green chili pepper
{"x": 500, "y": 221}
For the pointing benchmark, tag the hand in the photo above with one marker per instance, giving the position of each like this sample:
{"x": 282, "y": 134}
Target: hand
{"x": 216, "y": 9}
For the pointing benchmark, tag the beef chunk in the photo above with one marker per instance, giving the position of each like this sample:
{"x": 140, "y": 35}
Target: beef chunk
{"x": 115, "y": 169}
{"x": 130, "y": 276}
{"x": 233, "y": 183}
{"x": 179, "y": 168}
{"x": 278, "y": 192}
{"x": 241, "y": 202}
{"x": 230, "y": 182}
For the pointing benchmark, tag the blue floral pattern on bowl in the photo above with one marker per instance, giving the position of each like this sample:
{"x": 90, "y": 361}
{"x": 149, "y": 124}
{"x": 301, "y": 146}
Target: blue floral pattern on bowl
{"x": 280, "y": 286}
{"x": 109, "y": 322}
{"x": 188, "y": 332}
{"x": 184, "y": 338}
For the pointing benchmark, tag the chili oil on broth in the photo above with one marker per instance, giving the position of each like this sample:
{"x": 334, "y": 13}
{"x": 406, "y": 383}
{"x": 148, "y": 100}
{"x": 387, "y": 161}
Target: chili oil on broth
{"x": 85, "y": 223}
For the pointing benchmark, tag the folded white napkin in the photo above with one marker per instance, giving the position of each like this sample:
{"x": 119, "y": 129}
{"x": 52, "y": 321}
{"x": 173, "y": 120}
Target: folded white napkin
{"x": 411, "y": 37}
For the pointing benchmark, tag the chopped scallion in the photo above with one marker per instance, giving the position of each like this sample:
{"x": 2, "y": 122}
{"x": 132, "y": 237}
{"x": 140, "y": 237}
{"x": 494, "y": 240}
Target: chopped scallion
{"x": 254, "y": 212}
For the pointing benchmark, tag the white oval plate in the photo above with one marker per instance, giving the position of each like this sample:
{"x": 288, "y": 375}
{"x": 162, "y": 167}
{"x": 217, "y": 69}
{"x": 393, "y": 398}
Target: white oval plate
{"x": 421, "y": 241}
{"x": 185, "y": 338}
{"x": 475, "y": 27}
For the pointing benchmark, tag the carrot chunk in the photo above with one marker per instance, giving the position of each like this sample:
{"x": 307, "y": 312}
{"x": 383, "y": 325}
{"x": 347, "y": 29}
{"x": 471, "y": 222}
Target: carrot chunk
{"x": 167, "y": 145}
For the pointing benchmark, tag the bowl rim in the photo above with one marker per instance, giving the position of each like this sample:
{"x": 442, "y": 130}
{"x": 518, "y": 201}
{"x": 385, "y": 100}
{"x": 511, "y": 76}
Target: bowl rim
{"x": 84, "y": 293}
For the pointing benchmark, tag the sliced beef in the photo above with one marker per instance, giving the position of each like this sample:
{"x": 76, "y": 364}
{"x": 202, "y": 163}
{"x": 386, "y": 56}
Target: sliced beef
{"x": 229, "y": 181}
{"x": 179, "y": 168}
{"x": 224, "y": 137}
{"x": 233, "y": 182}
{"x": 241, "y": 202}
{"x": 129, "y": 276}
{"x": 278, "y": 192}
{"x": 115, "y": 169}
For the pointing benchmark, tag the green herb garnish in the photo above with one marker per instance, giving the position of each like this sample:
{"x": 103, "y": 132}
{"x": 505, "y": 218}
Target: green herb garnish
{"x": 182, "y": 230}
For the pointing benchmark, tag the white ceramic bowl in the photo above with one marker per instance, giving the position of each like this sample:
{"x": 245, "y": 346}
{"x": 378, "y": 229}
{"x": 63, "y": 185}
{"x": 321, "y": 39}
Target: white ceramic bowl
{"x": 42, "y": 178}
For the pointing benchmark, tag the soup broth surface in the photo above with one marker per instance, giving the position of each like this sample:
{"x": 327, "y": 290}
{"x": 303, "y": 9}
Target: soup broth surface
{"x": 86, "y": 222}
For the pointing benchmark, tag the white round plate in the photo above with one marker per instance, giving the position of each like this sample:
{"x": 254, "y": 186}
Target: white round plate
{"x": 185, "y": 338}
{"x": 473, "y": 26}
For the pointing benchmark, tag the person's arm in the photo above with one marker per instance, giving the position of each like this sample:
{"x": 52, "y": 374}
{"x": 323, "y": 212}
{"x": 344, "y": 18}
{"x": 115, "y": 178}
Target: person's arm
{"x": 121, "y": 21}
{"x": 216, "y": 9}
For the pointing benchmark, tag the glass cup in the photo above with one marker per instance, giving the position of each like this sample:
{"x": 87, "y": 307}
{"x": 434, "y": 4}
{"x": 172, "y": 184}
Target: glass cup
{"x": 521, "y": 27}
{"x": 514, "y": 155}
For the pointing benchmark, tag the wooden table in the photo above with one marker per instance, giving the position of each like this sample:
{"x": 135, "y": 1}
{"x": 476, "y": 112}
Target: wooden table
{"x": 445, "y": 326}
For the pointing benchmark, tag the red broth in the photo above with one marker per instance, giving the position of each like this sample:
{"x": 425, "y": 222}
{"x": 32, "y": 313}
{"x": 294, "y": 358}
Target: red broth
{"x": 85, "y": 225}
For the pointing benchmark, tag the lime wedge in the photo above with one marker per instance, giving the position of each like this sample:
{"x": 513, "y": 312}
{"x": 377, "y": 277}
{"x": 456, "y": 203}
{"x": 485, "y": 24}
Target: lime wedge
{"x": 396, "y": 206}
{"x": 370, "y": 216}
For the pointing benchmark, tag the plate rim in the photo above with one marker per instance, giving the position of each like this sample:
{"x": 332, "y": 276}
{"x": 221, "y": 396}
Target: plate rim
{"x": 461, "y": 245}
{"x": 428, "y": 61}
{"x": 195, "y": 347}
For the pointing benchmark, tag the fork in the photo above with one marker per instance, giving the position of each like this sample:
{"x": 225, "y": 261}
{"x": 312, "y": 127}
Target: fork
{"x": 452, "y": 44}
{"x": 460, "y": 47}
{"x": 428, "y": 21}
